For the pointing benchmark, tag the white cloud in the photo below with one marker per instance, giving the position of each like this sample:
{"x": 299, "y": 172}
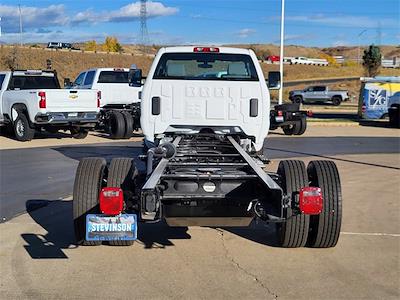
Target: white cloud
{"x": 340, "y": 43}
{"x": 32, "y": 17}
{"x": 127, "y": 13}
{"x": 345, "y": 20}
{"x": 55, "y": 15}
{"x": 245, "y": 32}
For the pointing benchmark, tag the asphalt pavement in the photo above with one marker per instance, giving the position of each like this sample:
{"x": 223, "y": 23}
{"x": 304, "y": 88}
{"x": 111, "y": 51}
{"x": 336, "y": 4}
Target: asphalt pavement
{"x": 47, "y": 173}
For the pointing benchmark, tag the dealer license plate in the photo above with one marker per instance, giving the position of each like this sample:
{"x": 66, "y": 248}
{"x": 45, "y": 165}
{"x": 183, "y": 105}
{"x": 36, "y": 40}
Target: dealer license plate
{"x": 105, "y": 228}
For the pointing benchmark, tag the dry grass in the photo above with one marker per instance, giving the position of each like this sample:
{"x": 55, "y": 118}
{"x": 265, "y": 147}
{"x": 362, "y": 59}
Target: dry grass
{"x": 69, "y": 64}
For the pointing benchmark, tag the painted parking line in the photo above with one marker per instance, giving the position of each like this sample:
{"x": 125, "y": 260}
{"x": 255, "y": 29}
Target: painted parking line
{"x": 371, "y": 234}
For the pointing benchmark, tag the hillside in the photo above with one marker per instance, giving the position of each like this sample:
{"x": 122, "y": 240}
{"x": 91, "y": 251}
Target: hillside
{"x": 69, "y": 64}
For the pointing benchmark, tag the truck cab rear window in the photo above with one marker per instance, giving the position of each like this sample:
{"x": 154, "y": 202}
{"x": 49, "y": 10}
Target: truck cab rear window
{"x": 2, "y": 76}
{"x": 113, "y": 77}
{"x": 206, "y": 66}
{"x": 33, "y": 82}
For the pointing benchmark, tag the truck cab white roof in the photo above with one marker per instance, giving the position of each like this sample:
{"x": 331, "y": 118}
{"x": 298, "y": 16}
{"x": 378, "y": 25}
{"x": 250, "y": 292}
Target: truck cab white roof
{"x": 111, "y": 82}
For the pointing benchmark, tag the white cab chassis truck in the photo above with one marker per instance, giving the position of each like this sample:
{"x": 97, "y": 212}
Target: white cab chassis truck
{"x": 205, "y": 117}
{"x": 33, "y": 100}
{"x": 120, "y": 101}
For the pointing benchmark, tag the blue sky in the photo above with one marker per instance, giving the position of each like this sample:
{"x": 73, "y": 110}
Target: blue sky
{"x": 308, "y": 22}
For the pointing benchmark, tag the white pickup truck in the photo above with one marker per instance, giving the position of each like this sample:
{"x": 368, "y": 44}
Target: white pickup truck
{"x": 120, "y": 103}
{"x": 32, "y": 99}
{"x": 300, "y": 60}
{"x": 206, "y": 110}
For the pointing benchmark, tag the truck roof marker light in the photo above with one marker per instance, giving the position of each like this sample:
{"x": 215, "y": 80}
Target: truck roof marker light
{"x": 205, "y": 49}
{"x": 111, "y": 200}
{"x": 42, "y": 101}
{"x": 311, "y": 200}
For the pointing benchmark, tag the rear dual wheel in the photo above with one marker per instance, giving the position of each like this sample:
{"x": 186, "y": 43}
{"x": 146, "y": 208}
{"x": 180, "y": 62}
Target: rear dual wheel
{"x": 90, "y": 178}
{"x": 294, "y": 232}
{"x": 318, "y": 231}
{"x": 122, "y": 173}
{"x": 325, "y": 227}
{"x": 120, "y": 125}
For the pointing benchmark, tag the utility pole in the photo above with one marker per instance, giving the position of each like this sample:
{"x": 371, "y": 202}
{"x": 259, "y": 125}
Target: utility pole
{"x": 143, "y": 25}
{"x": 20, "y": 25}
{"x": 281, "y": 50}
{"x": 359, "y": 46}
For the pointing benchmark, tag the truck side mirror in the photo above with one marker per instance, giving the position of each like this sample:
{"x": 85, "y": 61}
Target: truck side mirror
{"x": 274, "y": 80}
{"x": 135, "y": 77}
{"x": 67, "y": 83}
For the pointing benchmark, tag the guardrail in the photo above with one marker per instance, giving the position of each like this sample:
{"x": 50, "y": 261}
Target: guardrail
{"x": 319, "y": 80}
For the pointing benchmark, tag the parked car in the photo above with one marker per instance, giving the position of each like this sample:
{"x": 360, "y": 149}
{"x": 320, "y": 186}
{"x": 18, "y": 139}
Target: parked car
{"x": 120, "y": 102}
{"x": 319, "y": 93}
{"x": 59, "y": 45}
{"x": 377, "y": 95}
{"x": 32, "y": 100}
{"x": 300, "y": 60}
{"x": 273, "y": 58}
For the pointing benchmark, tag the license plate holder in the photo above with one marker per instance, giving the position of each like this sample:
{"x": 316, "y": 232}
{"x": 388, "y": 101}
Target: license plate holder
{"x": 111, "y": 228}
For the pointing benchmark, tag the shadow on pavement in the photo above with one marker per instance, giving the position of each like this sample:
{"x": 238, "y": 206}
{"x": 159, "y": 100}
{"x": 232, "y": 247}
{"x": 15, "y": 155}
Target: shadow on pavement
{"x": 108, "y": 152}
{"x": 259, "y": 232}
{"x": 375, "y": 123}
{"x": 56, "y": 218}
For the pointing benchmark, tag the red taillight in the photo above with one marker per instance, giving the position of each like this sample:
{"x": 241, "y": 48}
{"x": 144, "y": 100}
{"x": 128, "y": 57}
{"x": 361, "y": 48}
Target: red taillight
{"x": 42, "y": 101}
{"x": 363, "y": 108}
{"x": 98, "y": 98}
{"x": 205, "y": 49}
{"x": 309, "y": 113}
{"x": 311, "y": 200}
{"x": 111, "y": 200}
{"x": 280, "y": 113}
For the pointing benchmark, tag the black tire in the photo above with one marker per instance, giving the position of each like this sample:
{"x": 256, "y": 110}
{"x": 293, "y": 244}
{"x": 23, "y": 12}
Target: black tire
{"x": 288, "y": 129}
{"x": 117, "y": 125}
{"x": 88, "y": 183}
{"x": 22, "y": 130}
{"x": 325, "y": 227}
{"x": 300, "y": 126}
{"x": 122, "y": 173}
{"x": 79, "y": 133}
{"x": 298, "y": 99}
{"x": 394, "y": 117}
{"x": 128, "y": 125}
{"x": 294, "y": 231}
{"x": 336, "y": 100}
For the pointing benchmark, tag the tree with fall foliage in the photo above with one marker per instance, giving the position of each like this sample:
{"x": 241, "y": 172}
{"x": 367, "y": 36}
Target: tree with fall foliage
{"x": 111, "y": 44}
{"x": 91, "y": 46}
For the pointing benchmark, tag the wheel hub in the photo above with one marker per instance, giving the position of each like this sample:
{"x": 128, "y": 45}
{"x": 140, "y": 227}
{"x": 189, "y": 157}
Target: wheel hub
{"x": 20, "y": 128}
